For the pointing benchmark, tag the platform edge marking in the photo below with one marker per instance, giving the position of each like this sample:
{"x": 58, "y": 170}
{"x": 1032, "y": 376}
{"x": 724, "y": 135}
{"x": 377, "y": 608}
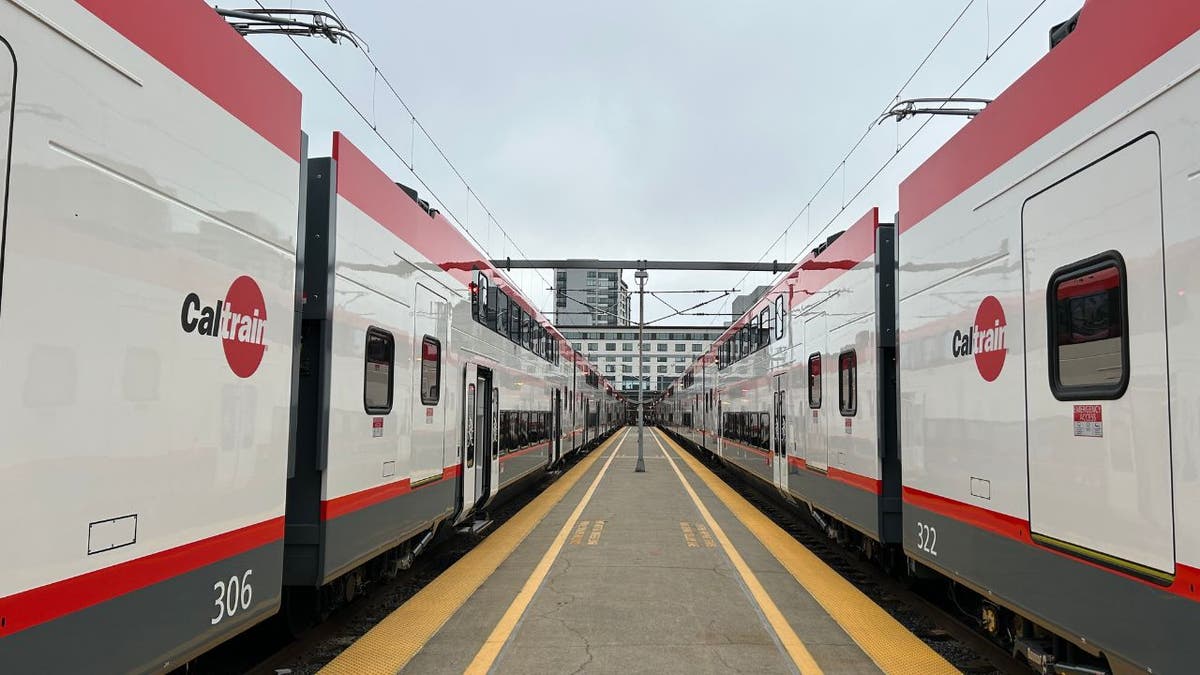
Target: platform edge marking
{"x": 393, "y": 642}
{"x": 885, "y": 641}
{"x": 799, "y": 654}
{"x": 487, "y": 654}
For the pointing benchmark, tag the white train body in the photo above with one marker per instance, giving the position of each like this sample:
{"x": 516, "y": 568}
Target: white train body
{"x": 195, "y": 419}
{"x": 1030, "y": 436}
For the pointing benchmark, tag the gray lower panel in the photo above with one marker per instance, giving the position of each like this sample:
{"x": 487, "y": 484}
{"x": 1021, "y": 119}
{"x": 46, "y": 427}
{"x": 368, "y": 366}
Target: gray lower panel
{"x": 1140, "y": 623}
{"x": 855, "y": 506}
{"x": 156, "y": 628}
{"x": 353, "y": 538}
{"x": 515, "y": 467}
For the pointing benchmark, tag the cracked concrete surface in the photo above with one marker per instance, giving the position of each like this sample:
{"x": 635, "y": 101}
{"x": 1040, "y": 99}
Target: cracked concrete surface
{"x": 640, "y": 599}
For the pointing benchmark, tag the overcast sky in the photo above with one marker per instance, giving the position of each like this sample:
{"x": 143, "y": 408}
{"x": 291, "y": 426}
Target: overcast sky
{"x": 659, "y": 128}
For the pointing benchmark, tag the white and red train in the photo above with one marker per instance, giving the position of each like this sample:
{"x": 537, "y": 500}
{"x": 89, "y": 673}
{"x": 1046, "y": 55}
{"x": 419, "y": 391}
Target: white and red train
{"x": 232, "y": 373}
{"x": 1001, "y": 388}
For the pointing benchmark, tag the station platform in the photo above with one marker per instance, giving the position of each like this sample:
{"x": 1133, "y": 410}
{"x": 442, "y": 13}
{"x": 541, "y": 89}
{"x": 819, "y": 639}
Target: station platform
{"x": 667, "y": 571}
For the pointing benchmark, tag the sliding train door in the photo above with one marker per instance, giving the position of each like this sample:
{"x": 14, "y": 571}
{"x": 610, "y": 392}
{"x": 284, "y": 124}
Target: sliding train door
{"x": 779, "y": 456}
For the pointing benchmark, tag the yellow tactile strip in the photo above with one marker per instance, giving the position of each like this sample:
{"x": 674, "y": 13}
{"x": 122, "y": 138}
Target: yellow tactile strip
{"x": 393, "y": 642}
{"x": 890, "y": 645}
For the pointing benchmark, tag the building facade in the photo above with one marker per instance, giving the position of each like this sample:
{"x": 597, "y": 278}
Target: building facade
{"x": 668, "y": 351}
{"x": 590, "y": 297}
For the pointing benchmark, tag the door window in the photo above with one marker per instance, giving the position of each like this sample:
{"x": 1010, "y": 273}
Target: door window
{"x": 848, "y": 383}
{"x": 431, "y": 371}
{"x": 377, "y": 377}
{"x": 814, "y": 381}
{"x": 1089, "y": 349}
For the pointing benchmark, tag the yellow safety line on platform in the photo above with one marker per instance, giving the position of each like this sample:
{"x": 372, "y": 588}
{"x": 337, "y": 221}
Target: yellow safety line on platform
{"x": 393, "y": 642}
{"x": 486, "y": 656}
{"x": 890, "y": 645}
{"x": 791, "y": 642}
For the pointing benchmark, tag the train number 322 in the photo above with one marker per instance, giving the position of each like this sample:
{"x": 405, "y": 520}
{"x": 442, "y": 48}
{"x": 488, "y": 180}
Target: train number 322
{"x": 927, "y": 538}
{"x": 232, "y": 596}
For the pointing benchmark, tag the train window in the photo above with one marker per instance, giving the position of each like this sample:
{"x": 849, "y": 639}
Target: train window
{"x": 527, "y": 324}
{"x": 848, "y": 383}
{"x": 479, "y": 308}
{"x": 814, "y": 380}
{"x": 525, "y": 432}
{"x": 377, "y": 374}
{"x": 489, "y": 312}
{"x": 1089, "y": 322}
{"x": 501, "y": 312}
{"x": 780, "y": 316}
{"x": 431, "y": 371}
{"x": 764, "y": 326}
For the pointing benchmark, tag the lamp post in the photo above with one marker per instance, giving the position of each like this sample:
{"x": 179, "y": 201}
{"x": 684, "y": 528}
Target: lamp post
{"x": 641, "y": 275}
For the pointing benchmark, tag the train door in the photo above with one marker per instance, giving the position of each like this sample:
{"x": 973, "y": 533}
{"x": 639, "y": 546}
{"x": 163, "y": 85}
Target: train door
{"x": 779, "y": 434}
{"x": 556, "y": 425}
{"x": 1098, "y": 428}
{"x": 816, "y": 441}
{"x": 474, "y": 441}
{"x": 8, "y": 86}
{"x": 587, "y": 414}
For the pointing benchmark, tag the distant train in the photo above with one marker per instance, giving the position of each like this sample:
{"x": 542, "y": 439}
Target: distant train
{"x": 232, "y": 373}
{"x": 1001, "y": 388}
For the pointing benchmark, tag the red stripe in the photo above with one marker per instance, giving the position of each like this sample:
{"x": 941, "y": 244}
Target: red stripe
{"x": 52, "y": 601}
{"x": 1115, "y": 39}
{"x": 366, "y": 186}
{"x": 192, "y": 41}
{"x": 872, "y": 485}
{"x": 992, "y": 521}
{"x": 1186, "y": 582}
{"x": 340, "y": 506}
{"x": 814, "y": 273}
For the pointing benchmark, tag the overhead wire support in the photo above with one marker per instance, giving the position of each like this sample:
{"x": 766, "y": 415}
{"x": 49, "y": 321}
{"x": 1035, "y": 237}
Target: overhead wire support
{"x": 911, "y": 107}
{"x": 280, "y": 21}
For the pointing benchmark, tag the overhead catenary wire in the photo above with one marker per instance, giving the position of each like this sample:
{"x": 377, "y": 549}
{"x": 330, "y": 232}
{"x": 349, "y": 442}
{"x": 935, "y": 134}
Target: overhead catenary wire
{"x": 415, "y": 124}
{"x": 840, "y": 166}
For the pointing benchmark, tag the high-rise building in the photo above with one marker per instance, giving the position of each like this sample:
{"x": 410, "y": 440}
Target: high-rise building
{"x": 590, "y": 297}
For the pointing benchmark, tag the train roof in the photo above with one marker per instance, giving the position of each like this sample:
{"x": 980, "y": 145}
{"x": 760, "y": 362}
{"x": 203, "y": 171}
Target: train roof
{"x": 1112, "y": 41}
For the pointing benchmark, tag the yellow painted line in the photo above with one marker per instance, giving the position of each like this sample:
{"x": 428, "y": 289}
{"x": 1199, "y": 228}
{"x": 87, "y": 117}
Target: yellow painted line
{"x": 594, "y": 538}
{"x": 890, "y": 645}
{"x": 393, "y": 642}
{"x": 689, "y": 537}
{"x": 799, "y": 654}
{"x": 486, "y": 656}
{"x": 581, "y": 530}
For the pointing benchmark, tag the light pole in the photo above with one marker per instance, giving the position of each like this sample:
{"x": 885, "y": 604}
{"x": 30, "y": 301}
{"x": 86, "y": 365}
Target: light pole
{"x": 641, "y": 275}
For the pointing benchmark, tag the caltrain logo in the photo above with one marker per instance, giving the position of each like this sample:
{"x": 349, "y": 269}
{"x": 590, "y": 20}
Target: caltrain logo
{"x": 240, "y": 321}
{"x": 984, "y": 340}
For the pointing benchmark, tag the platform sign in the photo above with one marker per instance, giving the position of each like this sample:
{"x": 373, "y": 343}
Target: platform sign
{"x": 1089, "y": 421}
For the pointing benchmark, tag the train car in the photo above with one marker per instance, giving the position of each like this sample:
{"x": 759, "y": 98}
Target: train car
{"x": 248, "y": 379}
{"x": 149, "y": 284}
{"x": 430, "y": 386}
{"x": 1047, "y": 373}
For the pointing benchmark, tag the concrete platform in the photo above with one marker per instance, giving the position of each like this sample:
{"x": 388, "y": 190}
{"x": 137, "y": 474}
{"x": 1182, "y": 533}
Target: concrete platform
{"x": 666, "y": 571}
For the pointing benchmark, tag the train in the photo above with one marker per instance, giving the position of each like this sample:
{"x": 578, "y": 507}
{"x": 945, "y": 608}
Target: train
{"x": 998, "y": 388}
{"x": 240, "y": 382}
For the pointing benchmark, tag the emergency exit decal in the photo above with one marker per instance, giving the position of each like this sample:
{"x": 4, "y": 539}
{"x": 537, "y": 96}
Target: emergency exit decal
{"x": 1089, "y": 421}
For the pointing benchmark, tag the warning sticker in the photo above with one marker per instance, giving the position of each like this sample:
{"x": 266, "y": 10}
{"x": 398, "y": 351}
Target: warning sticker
{"x": 1089, "y": 421}
{"x": 429, "y": 416}
{"x": 849, "y": 426}
{"x": 377, "y": 427}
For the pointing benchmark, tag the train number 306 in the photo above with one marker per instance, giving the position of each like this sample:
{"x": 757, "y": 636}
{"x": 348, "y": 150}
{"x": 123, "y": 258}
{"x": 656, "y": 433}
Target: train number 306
{"x": 927, "y": 538}
{"x": 232, "y": 596}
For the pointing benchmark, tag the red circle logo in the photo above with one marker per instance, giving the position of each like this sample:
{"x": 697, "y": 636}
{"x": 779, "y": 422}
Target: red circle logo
{"x": 991, "y": 345}
{"x": 244, "y": 326}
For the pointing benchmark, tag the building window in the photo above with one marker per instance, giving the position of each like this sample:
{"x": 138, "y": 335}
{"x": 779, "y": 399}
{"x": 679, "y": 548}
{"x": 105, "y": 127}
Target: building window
{"x": 1089, "y": 322}
{"x": 660, "y": 347}
{"x": 679, "y": 369}
{"x": 610, "y": 346}
{"x": 627, "y": 359}
{"x": 662, "y": 369}
{"x": 680, "y": 347}
{"x": 814, "y": 381}
{"x": 662, "y": 359}
{"x": 848, "y": 383}
{"x": 377, "y": 378}
{"x": 697, "y": 347}
{"x": 431, "y": 371}
{"x": 593, "y": 346}
{"x": 610, "y": 369}
{"x": 626, "y": 369}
